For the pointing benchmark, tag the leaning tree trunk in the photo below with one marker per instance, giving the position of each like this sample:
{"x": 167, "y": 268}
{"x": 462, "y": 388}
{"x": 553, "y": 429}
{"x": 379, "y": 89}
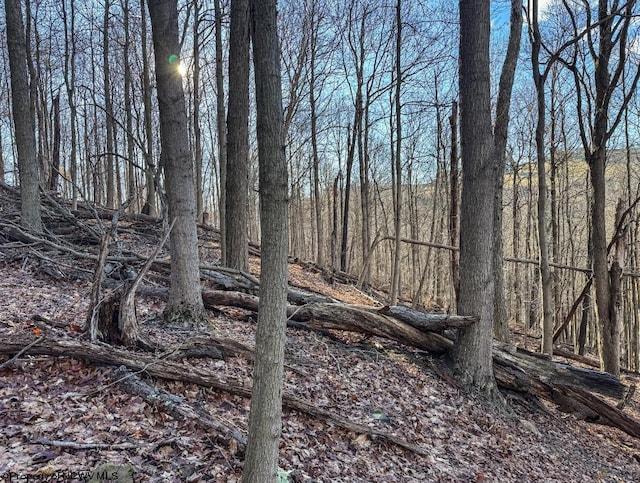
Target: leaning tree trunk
{"x": 501, "y": 323}
{"x": 22, "y": 117}
{"x": 185, "y": 300}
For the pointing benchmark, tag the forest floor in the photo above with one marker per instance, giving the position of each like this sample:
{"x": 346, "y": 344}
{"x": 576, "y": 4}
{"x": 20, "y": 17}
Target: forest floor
{"x": 46, "y": 402}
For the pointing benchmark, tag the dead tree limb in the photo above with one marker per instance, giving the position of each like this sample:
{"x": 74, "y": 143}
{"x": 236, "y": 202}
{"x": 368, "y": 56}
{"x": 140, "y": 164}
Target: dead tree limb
{"x": 140, "y": 362}
{"x": 181, "y": 409}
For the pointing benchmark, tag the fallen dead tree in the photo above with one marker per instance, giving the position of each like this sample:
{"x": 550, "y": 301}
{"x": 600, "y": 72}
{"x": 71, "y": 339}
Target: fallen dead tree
{"x": 174, "y": 371}
{"x": 180, "y": 409}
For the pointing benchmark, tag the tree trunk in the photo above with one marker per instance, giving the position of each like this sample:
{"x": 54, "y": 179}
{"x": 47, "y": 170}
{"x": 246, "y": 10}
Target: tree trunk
{"x": 500, "y": 129}
{"x": 128, "y": 87}
{"x": 55, "y": 158}
{"x": 237, "y": 172}
{"x": 150, "y": 205}
{"x": 221, "y": 129}
{"x": 185, "y": 300}
{"x": 70, "y": 82}
{"x": 197, "y": 131}
{"x": 545, "y": 274}
{"x": 265, "y": 424}
{"x": 454, "y": 216}
{"x": 22, "y": 118}
{"x": 108, "y": 108}
{"x": 473, "y": 353}
{"x": 397, "y": 205}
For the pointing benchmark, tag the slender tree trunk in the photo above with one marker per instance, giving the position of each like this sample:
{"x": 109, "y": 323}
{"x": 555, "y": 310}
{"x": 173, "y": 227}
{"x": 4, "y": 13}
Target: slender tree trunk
{"x": 265, "y": 417}
{"x": 545, "y": 272}
{"x": 70, "y": 81}
{"x": 23, "y": 121}
{"x": 150, "y": 206}
{"x": 395, "y": 281}
{"x": 237, "y": 173}
{"x": 108, "y": 108}
{"x": 221, "y": 129}
{"x": 454, "y": 217}
{"x": 55, "y": 158}
{"x": 197, "y": 131}
{"x": 501, "y": 322}
{"x": 185, "y": 298}
{"x": 128, "y": 86}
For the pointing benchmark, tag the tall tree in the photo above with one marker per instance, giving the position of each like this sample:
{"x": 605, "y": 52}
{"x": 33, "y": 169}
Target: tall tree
{"x": 237, "y": 172}
{"x": 108, "y": 107}
{"x": 128, "y": 100}
{"x": 221, "y": 128}
{"x": 150, "y": 170}
{"x": 397, "y": 205}
{"x": 22, "y": 117}
{"x": 265, "y": 425}
{"x": 314, "y": 26}
{"x": 197, "y": 99}
{"x": 473, "y": 354}
{"x": 613, "y": 29}
{"x": 539, "y": 79}
{"x": 500, "y": 129}
{"x": 69, "y": 19}
{"x": 185, "y": 298}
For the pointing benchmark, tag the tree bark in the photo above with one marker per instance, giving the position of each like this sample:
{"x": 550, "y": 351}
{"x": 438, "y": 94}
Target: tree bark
{"x": 500, "y": 130}
{"x": 539, "y": 79}
{"x": 150, "y": 205}
{"x": 473, "y": 352}
{"x": 221, "y": 129}
{"x": 265, "y": 417}
{"x": 397, "y": 205}
{"x": 185, "y": 299}
{"x": 23, "y": 121}
{"x": 237, "y": 172}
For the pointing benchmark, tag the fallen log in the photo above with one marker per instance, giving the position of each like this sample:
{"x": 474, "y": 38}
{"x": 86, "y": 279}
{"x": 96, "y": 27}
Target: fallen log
{"x": 558, "y": 373}
{"x": 180, "y": 409}
{"x": 369, "y": 321}
{"x": 357, "y": 319}
{"x": 140, "y": 362}
{"x": 426, "y": 321}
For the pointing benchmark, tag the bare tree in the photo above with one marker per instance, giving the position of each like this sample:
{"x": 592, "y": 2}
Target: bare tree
{"x": 598, "y": 122}
{"x": 473, "y": 354}
{"x": 23, "y": 117}
{"x": 500, "y": 130}
{"x": 185, "y": 298}
{"x": 150, "y": 169}
{"x": 265, "y": 425}
{"x": 397, "y": 205}
{"x": 237, "y": 172}
{"x": 221, "y": 127}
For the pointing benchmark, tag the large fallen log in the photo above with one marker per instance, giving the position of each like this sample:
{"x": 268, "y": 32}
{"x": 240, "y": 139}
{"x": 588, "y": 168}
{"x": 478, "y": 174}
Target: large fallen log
{"x": 557, "y": 373}
{"x": 160, "y": 368}
{"x": 370, "y": 321}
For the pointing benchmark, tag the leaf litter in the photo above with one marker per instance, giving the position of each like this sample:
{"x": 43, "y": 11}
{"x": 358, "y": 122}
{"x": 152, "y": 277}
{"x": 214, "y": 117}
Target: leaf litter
{"x": 371, "y": 382}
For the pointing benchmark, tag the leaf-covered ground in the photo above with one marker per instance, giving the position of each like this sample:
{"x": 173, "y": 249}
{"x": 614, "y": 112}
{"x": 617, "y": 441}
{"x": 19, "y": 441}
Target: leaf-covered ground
{"x": 372, "y": 382}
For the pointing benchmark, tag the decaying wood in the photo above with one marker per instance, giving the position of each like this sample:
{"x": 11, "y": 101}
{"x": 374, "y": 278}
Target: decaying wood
{"x": 357, "y": 319}
{"x": 554, "y": 373}
{"x": 84, "y": 446}
{"x": 181, "y": 409}
{"x": 140, "y": 362}
{"x": 94, "y": 301}
{"x": 127, "y": 318}
{"x": 426, "y": 321}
